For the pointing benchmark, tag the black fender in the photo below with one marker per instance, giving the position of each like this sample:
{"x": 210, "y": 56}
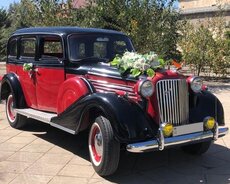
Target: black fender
{"x": 129, "y": 122}
{"x": 11, "y": 84}
{"x": 206, "y": 104}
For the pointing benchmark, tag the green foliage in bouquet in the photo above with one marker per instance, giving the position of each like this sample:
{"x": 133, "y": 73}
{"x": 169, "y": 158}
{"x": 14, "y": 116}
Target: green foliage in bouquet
{"x": 27, "y": 67}
{"x": 138, "y": 64}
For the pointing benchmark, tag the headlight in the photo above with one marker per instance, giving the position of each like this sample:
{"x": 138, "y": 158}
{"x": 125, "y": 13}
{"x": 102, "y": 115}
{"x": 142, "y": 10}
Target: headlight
{"x": 196, "y": 84}
{"x": 146, "y": 88}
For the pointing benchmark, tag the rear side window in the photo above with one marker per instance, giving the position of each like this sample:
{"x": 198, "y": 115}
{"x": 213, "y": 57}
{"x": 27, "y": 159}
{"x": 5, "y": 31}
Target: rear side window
{"x": 51, "y": 47}
{"x": 28, "y": 47}
{"x": 12, "y": 48}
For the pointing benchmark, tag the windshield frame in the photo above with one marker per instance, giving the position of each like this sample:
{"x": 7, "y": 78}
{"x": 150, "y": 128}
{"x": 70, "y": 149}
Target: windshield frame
{"x": 94, "y": 33}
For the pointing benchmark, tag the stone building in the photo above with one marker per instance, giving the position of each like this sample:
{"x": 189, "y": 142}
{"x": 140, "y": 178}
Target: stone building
{"x": 78, "y": 3}
{"x": 197, "y": 11}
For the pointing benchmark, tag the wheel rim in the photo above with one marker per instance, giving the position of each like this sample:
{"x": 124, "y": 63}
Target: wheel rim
{"x": 96, "y": 144}
{"x": 11, "y": 114}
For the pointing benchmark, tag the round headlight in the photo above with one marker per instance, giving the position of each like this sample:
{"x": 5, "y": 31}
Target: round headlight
{"x": 146, "y": 88}
{"x": 196, "y": 84}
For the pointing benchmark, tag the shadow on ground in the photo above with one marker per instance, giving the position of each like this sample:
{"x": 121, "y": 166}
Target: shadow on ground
{"x": 168, "y": 166}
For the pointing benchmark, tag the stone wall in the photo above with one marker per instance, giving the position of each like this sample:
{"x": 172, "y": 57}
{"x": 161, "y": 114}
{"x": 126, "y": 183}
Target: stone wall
{"x": 199, "y": 11}
{"x": 190, "y": 4}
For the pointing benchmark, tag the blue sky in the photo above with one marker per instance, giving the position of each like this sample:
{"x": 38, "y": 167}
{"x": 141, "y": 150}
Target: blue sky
{"x": 5, "y": 3}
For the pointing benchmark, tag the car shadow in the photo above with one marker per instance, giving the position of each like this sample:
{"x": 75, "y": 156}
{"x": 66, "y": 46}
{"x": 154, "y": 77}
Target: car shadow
{"x": 168, "y": 166}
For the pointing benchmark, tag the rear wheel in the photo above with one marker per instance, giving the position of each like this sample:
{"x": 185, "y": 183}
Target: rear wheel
{"x": 104, "y": 150}
{"x": 15, "y": 120}
{"x": 198, "y": 148}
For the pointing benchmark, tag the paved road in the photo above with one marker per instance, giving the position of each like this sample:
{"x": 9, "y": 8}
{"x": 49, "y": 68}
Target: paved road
{"x": 43, "y": 154}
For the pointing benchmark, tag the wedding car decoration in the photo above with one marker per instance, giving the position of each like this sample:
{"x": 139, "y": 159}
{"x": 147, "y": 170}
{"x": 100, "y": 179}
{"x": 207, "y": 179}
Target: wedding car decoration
{"x": 137, "y": 64}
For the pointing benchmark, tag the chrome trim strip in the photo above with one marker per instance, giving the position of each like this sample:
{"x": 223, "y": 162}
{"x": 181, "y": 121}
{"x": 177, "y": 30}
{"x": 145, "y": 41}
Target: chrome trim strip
{"x": 161, "y": 139}
{"x": 113, "y": 90}
{"x": 106, "y": 82}
{"x": 110, "y": 76}
{"x": 113, "y": 87}
{"x": 63, "y": 128}
{"x": 88, "y": 84}
{"x": 216, "y": 132}
{"x": 171, "y": 141}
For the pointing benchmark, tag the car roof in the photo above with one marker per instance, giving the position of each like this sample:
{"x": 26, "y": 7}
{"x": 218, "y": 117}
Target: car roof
{"x": 63, "y": 30}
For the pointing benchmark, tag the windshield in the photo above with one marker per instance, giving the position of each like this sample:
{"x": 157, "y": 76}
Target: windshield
{"x": 101, "y": 46}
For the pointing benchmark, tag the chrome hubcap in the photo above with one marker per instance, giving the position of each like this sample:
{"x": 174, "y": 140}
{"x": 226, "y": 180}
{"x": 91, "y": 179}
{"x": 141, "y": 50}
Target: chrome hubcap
{"x": 98, "y": 143}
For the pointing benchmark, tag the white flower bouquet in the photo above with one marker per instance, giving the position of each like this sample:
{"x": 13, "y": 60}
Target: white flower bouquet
{"x": 138, "y": 64}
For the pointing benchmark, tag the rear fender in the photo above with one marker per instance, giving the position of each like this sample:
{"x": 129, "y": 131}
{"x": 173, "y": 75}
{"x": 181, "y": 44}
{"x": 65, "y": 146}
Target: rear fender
{"x": 11, "y": 84}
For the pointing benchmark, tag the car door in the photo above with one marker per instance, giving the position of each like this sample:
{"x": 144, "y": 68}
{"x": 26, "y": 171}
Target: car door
{"x": 27, "y": 54}
{"x": 49, "y": 72}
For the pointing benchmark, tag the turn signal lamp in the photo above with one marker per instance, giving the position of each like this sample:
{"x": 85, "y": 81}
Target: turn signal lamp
{"x": 209, "y": 123}
{"x": 167, "y": 129}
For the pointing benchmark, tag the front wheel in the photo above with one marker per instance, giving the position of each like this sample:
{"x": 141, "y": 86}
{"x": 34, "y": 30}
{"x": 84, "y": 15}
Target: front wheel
{"x": 198, "y": 148}
{"x": 15, "y": 120}
{"x": 104, "y": 150}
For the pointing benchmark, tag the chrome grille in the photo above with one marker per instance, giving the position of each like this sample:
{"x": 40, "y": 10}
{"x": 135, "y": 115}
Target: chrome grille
{"x": 172, "y": 96}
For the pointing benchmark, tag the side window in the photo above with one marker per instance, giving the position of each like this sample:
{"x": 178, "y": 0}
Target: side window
{"x": 51, "y": 48}
{"x": 12, "y": 53}
{"x": 28, "y": 47}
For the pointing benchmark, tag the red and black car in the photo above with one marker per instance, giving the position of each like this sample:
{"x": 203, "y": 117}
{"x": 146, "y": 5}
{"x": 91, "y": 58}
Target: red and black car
{"x": 62, "y": 76}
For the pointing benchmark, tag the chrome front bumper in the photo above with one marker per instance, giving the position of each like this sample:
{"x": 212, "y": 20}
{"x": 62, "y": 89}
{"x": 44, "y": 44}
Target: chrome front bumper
{"x": 161, "y": 142}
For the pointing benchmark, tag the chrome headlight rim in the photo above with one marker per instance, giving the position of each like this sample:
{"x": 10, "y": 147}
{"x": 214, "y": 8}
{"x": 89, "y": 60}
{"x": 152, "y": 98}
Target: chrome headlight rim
{"x": 140, "y": 88}
{"x": 193, "y": 80}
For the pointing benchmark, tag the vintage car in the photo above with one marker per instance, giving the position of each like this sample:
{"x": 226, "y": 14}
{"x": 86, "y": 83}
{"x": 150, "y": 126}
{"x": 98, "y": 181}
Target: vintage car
{"x": 62, "y": 76}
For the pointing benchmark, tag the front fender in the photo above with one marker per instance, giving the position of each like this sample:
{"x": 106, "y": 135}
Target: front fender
{"x": 130, "y": 123}
{"x": 11, "y": 84}
{"x": 206, "y": 104}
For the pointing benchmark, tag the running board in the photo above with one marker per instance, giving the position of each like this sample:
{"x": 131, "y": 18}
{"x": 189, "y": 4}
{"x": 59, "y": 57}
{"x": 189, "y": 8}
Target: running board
{"x": 44, "y": 117}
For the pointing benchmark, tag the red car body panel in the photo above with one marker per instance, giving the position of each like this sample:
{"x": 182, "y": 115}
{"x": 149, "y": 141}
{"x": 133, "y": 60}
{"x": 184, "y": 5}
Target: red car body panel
{"x": 48, "y": 83}
{"x": 28, "y": 84}
{"x": 70, "y": 91}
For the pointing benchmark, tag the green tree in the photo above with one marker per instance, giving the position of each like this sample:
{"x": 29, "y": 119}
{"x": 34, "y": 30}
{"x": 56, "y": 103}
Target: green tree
{"x": 205, "y": 48}
{"x": 152, "y": 24}
{"x": 4, "y": 24}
